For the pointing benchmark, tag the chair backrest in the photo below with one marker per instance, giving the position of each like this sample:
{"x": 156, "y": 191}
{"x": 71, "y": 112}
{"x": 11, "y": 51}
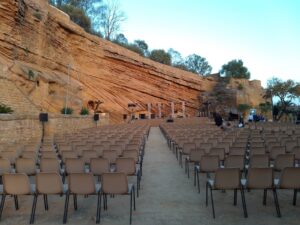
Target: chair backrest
{"x": 275, "y": 151}
{"x": 260, "y": 178}
{"x": 10, "y": 155}
{"x": 49, "y": 155}
{"x": 209, "y": 163}
{"x": 257, "y": 151}
{"x": 111, "y": 155}
{"x": 29, "y": 155}
{"x": 74, "y": 165}
{"x": 235, "y": 161}
{"x": 126, "y": 165}
{"x": 26, "y": 165}
{"x": 68, "y": 155}
{"x": 5, "y": 166}
{"x": 290, "y": 178}
{"x": 131, "y": 154}
{"x": 49, "y": 165}
{"x": 218, "y": 152}
{"x": 188, "y": 147}
{"x": 259, "y": 161}
{"x": 237, "y": 151}
{"x": 99, "y": 166}
{"x": 114, "y": 183}
{"x": 196, "y": 155}
{"x": 82, "y": 183}
{"x": 49, "y": 183}
{"x": 118, "y": 148}
{"x": 296, "y": 152}
{"x": 283, "y": 161}
{"x": 88, "y": 155}
{"x": 16, "y": 184}
{"x": 227, "y": 178}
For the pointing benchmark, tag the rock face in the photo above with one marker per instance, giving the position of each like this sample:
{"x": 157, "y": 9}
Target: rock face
{"x": 54, "y": 63}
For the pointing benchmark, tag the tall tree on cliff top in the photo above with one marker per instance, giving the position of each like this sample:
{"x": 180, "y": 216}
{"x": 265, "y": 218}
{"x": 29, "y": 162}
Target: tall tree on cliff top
{"x": 93, "y": 9}
{"x": 286, "y": 91}
{"x": 235, "y": 69}
{"x": 111, "y": 19}
{"x": 159, "y": 55}
{"x": 197, "y": 64}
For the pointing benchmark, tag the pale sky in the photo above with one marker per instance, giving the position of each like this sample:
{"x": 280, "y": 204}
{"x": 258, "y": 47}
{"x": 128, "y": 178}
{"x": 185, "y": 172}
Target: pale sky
{"x": 265, "y": 34}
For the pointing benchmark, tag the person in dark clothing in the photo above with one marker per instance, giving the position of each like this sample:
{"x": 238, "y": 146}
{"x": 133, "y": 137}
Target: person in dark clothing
{"x": 218, "y": 119}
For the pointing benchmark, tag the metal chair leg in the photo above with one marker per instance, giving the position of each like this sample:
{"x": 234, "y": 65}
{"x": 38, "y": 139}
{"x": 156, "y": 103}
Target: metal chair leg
{"x": 2, "y": 205}
{"x": 130, "y": 206}
{"x": 198, "y": 182}
{"x": 265, "y": 197}
{"x": 212, "y": 202}
{"x": 206, "y": 194}
{"x": 45, "y": 202}
{"x": 276, "y": 202}
{"x": 235, "y": 197}
{"x": 134, "y": 198}
{"x": 66, "y": 208}
{"x": 295, "y": 197}
{"x": 75, "y": 201}
{"x": 33, "y": 209}
{"x": 244, "y": 202}
{"x": 16, "y": 202}
{"x": 98, "y": 208}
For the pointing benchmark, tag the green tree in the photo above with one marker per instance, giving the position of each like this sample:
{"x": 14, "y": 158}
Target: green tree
{"x": 197, "y": 64}
{"x": 159, "y": 55}
{"x": 78, "y": 16}
{"x": 265, "y": 107}
{"x": 143, "y": 46}
{"x": 177, "y": 60}
{"x": 243, "y": 108}
{"x": 121, "y": 39}
{"x": 235, "y": 69}
{"x": 285, "y": 91}
{"x": 92, "y": 9}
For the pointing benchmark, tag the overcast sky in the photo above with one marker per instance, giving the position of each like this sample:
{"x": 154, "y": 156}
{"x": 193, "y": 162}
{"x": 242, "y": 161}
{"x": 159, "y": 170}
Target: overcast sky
{"x": 265, "y": 34}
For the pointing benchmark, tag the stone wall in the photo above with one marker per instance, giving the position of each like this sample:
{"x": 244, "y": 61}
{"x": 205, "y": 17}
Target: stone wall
{"x": 20, "y": 129}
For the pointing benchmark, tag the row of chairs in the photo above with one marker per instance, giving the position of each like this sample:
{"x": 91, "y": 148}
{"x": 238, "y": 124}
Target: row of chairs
{"x": 16, "y": 184}
{"x": 237, "y": 160}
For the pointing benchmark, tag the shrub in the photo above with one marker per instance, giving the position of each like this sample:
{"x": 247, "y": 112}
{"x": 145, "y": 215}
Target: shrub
{"x": 84, "y": 111}
{"x": 38, "y": 15}
{"x": 240, "y": 87}
{"x": 67, "y": 110}
{"x": 5, "y": 109}
{"x": 30, "y": 74}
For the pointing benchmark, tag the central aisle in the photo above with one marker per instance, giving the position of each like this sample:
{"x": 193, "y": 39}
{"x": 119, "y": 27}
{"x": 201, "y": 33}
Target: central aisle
{"x": 168, "y": 196}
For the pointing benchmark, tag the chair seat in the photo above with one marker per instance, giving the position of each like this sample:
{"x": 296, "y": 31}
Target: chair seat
{"x": 32, "y": 188}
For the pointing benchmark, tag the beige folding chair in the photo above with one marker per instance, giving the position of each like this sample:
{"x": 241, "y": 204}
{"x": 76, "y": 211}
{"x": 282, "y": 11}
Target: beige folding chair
{"x": 226, "y": 179}
{"x": 10, "y": 155}
{"x": 26, "y": 165}
{"x": 47, "y": 184}
{"x": 111, "y": 155}
{"x": 235, "y": 161}
{"x": 98, "y": 166}
{"x": 186, "y": 150}
{"x": 50, "y": 165}
{"x": 128, "y": 166}
{"x": 290, "y": 179}
{"x": 117, "y": 184}
{"x": 88, "y": 155}
{"x": 15, "y": 184}
{"x": 262, "y": 178}
{"x": 82, "y": 184}
{"x": 259, "y": 161}
{"x": 5, "y": 167}
{"x": 194, "y": 157}
{"x": 208, "y": 164}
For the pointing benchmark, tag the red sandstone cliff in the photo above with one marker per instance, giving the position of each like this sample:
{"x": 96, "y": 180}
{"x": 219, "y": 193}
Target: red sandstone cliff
{"x": 52, "y": 60}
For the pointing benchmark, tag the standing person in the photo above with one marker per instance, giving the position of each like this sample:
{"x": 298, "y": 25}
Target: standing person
{"x": 218, "y": 119}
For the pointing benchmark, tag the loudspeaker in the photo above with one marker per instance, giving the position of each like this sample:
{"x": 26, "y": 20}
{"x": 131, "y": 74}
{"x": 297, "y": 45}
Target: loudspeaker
{"x": 124, "y": 116}
{"x": 96, "y": 117}
{"x": 43, "y": 117}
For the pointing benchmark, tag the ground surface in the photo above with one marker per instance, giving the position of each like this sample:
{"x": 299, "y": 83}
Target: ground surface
{"x": 167, "y": 197}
